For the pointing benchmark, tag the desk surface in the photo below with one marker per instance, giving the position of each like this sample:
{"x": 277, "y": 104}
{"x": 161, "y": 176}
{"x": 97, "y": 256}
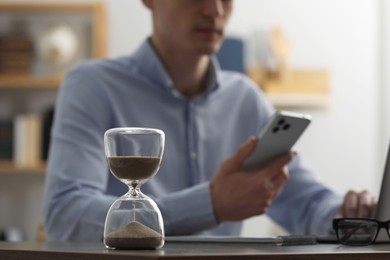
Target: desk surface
{"x": 59, "y": 251}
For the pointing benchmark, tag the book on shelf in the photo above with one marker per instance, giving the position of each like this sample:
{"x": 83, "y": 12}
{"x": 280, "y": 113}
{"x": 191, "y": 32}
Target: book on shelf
{"x": 6, "y": 139}
{"x": 47, "y": 121}
{"x": 15, "y": 55}
{"x": 27, "y": 139}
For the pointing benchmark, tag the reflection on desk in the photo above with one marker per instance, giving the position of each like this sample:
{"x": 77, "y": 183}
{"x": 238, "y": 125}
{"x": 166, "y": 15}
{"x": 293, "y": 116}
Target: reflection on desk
{"x": 67, "y": 250}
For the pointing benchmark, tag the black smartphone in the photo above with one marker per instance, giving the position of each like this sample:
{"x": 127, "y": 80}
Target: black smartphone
{"x": 277, "y": 137}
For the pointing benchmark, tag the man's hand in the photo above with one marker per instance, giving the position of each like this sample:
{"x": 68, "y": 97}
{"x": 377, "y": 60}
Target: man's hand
{"x": 358, "y": 205}
{"x": 238, "y": 194}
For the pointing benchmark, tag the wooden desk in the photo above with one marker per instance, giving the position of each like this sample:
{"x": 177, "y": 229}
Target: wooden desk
{"x": 59, "y": 251}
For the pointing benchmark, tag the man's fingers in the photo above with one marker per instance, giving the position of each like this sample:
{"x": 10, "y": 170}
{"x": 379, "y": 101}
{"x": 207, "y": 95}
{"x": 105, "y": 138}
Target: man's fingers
{"x": 234, "y": 163}
{"x": 280, "y": 179}
{"x": 366, "y": 205}
{"x": 276, "y": 165}
{"x": 358, "y": 204}
{"x": 350, "y": 205}
{"x": 245, "y": 150}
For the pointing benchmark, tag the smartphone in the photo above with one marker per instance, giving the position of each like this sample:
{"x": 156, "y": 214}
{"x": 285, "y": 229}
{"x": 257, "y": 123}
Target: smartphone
{"x": 277, "y": 138}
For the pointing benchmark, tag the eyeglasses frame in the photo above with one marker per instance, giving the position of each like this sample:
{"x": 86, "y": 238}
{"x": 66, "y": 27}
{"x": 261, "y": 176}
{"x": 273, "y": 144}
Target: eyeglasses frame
{"x": 380, "y": 225}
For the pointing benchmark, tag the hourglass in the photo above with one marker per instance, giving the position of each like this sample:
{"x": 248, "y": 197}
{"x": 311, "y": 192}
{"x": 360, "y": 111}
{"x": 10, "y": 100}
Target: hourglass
{"x": 134, "y": 155}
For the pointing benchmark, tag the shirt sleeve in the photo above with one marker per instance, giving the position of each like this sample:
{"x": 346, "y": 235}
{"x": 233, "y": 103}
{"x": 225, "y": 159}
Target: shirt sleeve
{"x": 75, "y": 205}
{"x": 188, "y": 211}
{"x": 305, "y": 206}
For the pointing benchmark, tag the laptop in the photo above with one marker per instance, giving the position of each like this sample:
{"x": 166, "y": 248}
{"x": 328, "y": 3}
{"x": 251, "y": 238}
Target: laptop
{"x": 382, "y": 211}
{"x": 383, "y": 208}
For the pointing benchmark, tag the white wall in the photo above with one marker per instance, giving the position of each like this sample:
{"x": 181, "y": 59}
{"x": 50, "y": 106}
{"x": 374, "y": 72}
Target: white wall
{"x": 343, "y": 144}
{"x": 385, "y": 66}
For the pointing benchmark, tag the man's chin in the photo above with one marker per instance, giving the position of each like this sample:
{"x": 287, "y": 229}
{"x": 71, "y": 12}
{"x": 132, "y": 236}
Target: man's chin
{"x": 210, "y": 49}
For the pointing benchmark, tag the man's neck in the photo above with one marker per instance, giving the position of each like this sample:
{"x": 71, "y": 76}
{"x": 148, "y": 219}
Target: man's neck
{"x": 189, "y": 76}
{"x": 189, "y": 72}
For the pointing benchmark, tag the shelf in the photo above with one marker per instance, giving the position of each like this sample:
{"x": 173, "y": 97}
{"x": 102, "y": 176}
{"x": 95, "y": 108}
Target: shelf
{"x": 89, "y": 15}
{"x": 9, "y": 167}
{"x": 30, "y": 82}
{"x": 97, "y": 10}
{"x": 296, "y": 89}
{"x": 280, "y": 100}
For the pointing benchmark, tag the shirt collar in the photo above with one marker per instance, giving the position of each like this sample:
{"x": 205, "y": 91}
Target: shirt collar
{"x": 151, "y": 67}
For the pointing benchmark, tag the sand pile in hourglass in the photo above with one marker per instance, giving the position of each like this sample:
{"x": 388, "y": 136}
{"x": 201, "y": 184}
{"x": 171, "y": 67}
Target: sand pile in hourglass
{"x": 134, "y": 234}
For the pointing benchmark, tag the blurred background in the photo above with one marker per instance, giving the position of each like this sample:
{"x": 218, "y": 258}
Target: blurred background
{"x": 328, "y": 58}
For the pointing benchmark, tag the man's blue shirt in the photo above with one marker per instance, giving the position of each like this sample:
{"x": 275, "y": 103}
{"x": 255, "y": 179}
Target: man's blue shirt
{"x": 136, "y": 91}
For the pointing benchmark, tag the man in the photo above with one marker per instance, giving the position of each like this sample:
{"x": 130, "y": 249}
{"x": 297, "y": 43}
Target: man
{"x": 173, "y": 82}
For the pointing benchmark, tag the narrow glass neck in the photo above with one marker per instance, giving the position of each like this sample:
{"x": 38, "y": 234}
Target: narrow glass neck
{"x": 134, "y": 190}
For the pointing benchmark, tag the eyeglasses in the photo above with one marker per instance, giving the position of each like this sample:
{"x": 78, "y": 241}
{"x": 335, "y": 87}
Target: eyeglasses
{"x": 358, "y": 231}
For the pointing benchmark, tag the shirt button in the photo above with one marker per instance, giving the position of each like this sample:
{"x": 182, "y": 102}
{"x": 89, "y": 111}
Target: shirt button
{"x": 193, "y": 155}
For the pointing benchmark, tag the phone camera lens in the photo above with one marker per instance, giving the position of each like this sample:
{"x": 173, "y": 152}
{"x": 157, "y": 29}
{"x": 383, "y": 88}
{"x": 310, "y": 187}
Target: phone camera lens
{"x": 275, "y": 129}
{"x": 281, "y": 122}
{"x": 286, "y": 126}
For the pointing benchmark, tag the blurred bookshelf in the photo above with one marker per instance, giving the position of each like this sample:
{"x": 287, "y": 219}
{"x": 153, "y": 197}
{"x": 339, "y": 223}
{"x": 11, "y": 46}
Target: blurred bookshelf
{"x": 286, "y": 86}
{"x": 24, "y": 143}
{"x": 29, "y": 82}
{"x": 10, "y": 167}
{"x": 295, "y": 88}
{"x": 39, "y": 43}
